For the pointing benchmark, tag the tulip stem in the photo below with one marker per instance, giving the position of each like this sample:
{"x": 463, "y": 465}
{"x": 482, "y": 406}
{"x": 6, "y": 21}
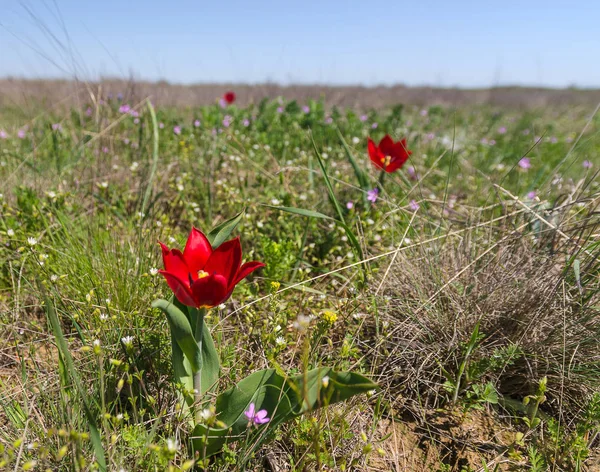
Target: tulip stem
{"x": 381, "y": 179}
{"x": 197, "y": 379}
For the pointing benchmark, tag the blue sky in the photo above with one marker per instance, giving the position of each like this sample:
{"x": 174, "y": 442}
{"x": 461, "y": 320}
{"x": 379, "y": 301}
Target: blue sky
{"x": 440, "y": 43}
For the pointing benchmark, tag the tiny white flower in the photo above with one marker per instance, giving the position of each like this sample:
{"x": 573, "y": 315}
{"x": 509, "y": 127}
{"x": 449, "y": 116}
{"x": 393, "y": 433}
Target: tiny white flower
{"x": 325, "y": 381}
{"x": 172, "y": 445}
{"x": 207, "y": 414}
{"x": 96, "y": 342}
{"x": 51, "y": 194}
{"x": 222, "y": 306}
{"x": 127, "y": 340}
{"x": 103, "y": 317}
{"x": 10, "y": 233}
{"x": 153, "y": 271}
{"x": 280, "y": 341}
{"x": 120, "y": 416}
{"x": 54, "y": 277}
{"x": 31, "y": 241}
{"x": 355, "y": 140}
{"x": 302, "y": 322}
{"x": 260, "y": 224}
{"x": 274, "y": 201}
{"x": 302, "y": 196}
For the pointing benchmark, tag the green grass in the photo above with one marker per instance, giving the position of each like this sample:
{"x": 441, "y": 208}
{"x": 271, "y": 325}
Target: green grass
{"x": 457, "y": 309}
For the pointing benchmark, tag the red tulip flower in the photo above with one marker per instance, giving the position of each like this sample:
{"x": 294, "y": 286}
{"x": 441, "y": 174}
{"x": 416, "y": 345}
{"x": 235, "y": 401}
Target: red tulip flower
{"x": 388, "y": 156}
{"x": 202, "y": 277}
{"x": 229, "y": 97}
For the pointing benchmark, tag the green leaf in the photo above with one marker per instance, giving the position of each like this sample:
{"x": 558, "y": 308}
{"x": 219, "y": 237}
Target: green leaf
{"x": 283, "y": 397}
{"x": 211, "y": 363}
{"x": 362, "y": 178}
{"x": 301, "y": 212}
{"x": 182, "y": 332}
{"x": 219, "y": 234}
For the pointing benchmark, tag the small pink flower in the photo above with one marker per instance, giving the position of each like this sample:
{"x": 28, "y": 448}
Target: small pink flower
{"x": 197, "y": 123}
{"x": 222, "y": 103}
{"x": 3, "y": 134}
{"x": 88, "y": 112}
{"x": 329, "y": 120}
{"x": 279, "y": 109}
{"x": 246, "y": 122}
{"x": 136, "y": 121}
{"x": 526, "y": 132}
{"x": 177, "y": 130}
{"x": 413, "y": 205}
{"x": 492, "y": 142}
{"x": 363, "y": 118}
{"x": 105, "y": 150}
{"x": 161, "y": 125}
{"x": 531, "y": 195}
{"x": 502, "y": 130}
{"x": 256, "y": 417}
{"x": 227, "y": 121}
{"x": 372, "y": 195}
{"x": 350, "y": 205}
{"x": 423, "y": 112}
{"x": 587, "y": 164}
{"x": 56, "y": 127}
{"x": 21, "y": 133}
{"x": 306, "y": 109}
{"x": 374, "y": 126}
{"x": 525, "y": 163}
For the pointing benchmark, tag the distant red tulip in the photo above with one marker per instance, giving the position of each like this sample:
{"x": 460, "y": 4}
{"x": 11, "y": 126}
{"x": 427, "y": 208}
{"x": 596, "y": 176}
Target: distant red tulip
{"x": 388, "y": 156}
{"x": 229, "y": 97}
{"x": 202, "y": 277}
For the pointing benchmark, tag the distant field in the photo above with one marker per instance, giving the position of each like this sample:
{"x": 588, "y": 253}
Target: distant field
{"x": 24, "y": 92}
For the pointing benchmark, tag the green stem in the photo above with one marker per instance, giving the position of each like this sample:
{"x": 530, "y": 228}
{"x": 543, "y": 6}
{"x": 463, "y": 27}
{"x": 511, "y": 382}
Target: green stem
{"x": 198, "y": 375}
{"x": 381, "y": 179}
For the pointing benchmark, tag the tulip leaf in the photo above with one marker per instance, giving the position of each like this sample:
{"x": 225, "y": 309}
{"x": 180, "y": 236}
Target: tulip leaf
{"x": 211, "y": 363}
{"x": 301, "y": 212}
{"x": 181, "y": 331}
{"x": 282, "y": 397}
{"x": 361, "y": 176}
{"x": 219, "y": 234}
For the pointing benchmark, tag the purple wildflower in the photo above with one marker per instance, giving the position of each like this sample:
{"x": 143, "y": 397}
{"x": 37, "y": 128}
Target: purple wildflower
{"x": 3, "y": 134}
{"x": 350, "y": 205}
{"x": 197, "y": 123}
{"x": 161, "y": 125}
{"x": 124, "y": 109}
{"x": 88, "y": 112}
{"x": 525, "y": 163}
{"x": 329, "y": 120}
{"x": 587, "y": 164}
{"x": 423, "y": 112}
{"x": 484, "y": 141}
{"x": 256, "y": 417}
{"x": 412, "y": 173}
{"x": 374, "y": 126}
{"x": 531, "y": 195}
{"x": 372, "y": 195}
{"x": 502, "y": 130}
{"x": 492, "y": 142}
{"x": 526, "y": 132}
{"x": 136, "y": 121}
{"x": 246, "y": 122}
{"x": 56, "y": 127}
{"x": 306, "y": 109}
{"x": 227, "y": 121}
{"x": 119, "y": 96}
{"x": 177, "y": 130}
{"x": 222, "y": 103}
{"x": 105, "y": 150}
{"x": 21, "y": 133}
{"x": 413, "y": 205}
{"x": 279, "y": 109}
{"x": 126, "y": 141}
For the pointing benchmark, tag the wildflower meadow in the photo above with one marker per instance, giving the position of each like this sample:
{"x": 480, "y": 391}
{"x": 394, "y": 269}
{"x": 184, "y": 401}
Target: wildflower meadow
{"x": 293, "y": 286}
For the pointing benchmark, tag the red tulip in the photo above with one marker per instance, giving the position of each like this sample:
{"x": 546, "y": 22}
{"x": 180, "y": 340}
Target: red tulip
{"x": 229, "y": 97}
{"x": 202, "y": 277}
{"x": 388, "y": 156}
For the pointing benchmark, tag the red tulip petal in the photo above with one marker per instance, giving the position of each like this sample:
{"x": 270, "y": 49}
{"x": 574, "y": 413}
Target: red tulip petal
{"x": 180, "y": 289}
{"x": 174, "y": 262}
{"x": 386, "y": 146}
{"x": 197, "y": 250}
{"x": 374, "y": 154}
{"x": 225, "y": 260}
{"x": 210, "y": 291}
{"x": 401, "y": 151}
{"x": 395, "y": 165}
{"x": 245, "y": 271}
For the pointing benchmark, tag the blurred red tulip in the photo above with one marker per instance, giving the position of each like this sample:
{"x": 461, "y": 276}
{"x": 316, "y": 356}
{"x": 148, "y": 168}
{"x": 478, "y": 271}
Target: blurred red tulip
{"x": 388, "y": 156}
{"x": 229, "y": 97}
